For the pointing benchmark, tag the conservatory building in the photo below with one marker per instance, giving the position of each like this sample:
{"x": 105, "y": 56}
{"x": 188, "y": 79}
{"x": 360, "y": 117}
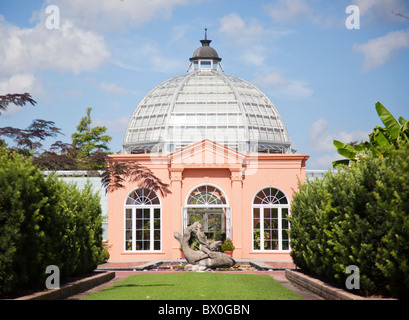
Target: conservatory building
{"x": 223, "y": 149}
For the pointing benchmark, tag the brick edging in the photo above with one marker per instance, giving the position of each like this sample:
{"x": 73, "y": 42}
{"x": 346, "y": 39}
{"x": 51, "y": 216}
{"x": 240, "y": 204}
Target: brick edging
{"x": 71, "y": 289}
{"x": 319, "y": 287}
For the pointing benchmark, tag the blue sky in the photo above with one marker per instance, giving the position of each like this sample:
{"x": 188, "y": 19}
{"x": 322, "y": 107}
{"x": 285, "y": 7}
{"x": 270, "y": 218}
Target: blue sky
{"x": 108, "y": 54}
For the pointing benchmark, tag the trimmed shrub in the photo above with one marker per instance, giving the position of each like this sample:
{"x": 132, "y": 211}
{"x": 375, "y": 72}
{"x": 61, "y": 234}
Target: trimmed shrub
{"x": 359, "y": 216}
{"x": 44, "y": 221}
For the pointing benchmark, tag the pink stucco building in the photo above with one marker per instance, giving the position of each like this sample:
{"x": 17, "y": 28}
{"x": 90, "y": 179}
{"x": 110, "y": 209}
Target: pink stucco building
{"x": 223, "y": 148}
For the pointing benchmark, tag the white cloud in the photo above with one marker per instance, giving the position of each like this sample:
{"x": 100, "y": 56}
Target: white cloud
{"x": 248, "y": 36}
{"x": 255, "y": 56}
{"x": 25, "y": 51}
{"x": 323, "y": 161}
{"x": 321, "y": 138}
{"x": 113, "y": 125}
{"x": 380, "y": 50}
{"x": 277, "y": 84}
{"x": 234, "y": 26}
{"x": 382, "y": 10}
{"x": 68, "y": 49}
{"x": 115, "y": 14}
{"x": 152, "y": 56}
{"x": 19, "y": 83}
{"x": 289, "y": 11}
{"x": 113, "y": 88}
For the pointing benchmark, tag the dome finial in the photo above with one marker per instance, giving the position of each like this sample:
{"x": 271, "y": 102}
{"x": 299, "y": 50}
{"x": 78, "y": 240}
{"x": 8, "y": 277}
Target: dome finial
{"x": 205, "y": 42}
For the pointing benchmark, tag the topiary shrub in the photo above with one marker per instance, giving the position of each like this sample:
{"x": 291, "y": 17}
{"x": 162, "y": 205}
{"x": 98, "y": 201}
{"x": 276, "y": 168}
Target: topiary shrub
{"x": 227, "y": 245}
{"x": 358, "y": 216}
{"x": 44, "y": 221}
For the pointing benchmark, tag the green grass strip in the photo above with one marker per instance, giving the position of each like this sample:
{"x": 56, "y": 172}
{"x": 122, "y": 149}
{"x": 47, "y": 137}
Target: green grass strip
{"x": 196, "y": 286}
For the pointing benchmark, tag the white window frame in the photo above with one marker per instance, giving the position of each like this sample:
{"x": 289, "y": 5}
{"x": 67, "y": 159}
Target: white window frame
{"x": 226, "y": 208}
{"x": 279, "y": 208}
{"x": 152, "y": 208}
{"x": 207, "y": 61}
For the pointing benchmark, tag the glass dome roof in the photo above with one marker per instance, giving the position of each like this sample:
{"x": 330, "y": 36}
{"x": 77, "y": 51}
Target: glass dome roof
{"x": 206, "y": 103}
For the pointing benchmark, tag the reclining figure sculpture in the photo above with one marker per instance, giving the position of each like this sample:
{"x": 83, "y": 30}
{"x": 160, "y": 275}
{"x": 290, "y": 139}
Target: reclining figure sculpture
{"x": 207, "y": 256}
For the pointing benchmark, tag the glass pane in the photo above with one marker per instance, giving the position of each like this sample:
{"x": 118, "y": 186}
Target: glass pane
{"x": 139, "y": 245}
{"x": 214, "y": 222}
{"x": 138, "y": 224}
{"x": 146, "y": 245}
{"x": 274, "y": 245}
{"x": 274, "y": 213}
{"x": 204, "y": 64}
{"x": 156, "y": 224}
{"x": 146, "y": 235}
{"x": 128, "y": 240}
{"x": 268, "y": 244}
{"x": 256, "y": 218}
{"x": 267, "y": 224}
{"x": 256, "y": 242}
{"x": 274, "y": 234}
{"x": 274, "y": 223}
{"x": 139, "y": 213}
{"x": 146, "y": 214}
{"x": 267, "y": 213}
{"x": 195, "y": 218}
{"x": 256, "y": 213}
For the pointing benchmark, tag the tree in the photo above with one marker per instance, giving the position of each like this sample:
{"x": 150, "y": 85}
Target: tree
{"x": 88, "y": 150}
{"x": 382, "y": 140}
{"x": 91, "y": 144}
{"x": 90, "y": 139}
{"x": 29, "y": 139}
{"x": 17, "y": 98}
{"x": 116, "y": 173}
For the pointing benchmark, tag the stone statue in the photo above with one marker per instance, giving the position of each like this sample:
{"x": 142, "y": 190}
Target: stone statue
{"x": 207, "y": 256}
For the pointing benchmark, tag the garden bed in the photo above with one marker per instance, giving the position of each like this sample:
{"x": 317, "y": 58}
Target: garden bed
{"x": 180, "y": 266}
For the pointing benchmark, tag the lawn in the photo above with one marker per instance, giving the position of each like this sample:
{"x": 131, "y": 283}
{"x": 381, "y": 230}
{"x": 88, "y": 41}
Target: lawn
{"x": 196, "y": 286}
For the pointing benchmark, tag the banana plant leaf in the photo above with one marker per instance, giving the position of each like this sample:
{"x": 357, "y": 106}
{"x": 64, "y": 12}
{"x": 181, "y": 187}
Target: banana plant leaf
{"x": 381, "y": 139}
{"x": 348, "y": 153}
{"x": 388, "y": 120}
{"x": 340, "y": 162}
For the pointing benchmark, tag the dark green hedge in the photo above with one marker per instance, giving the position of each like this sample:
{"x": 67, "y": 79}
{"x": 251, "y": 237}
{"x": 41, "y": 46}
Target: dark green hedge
{"x": 44, "y": 221}
{"x": 359, "y": 216}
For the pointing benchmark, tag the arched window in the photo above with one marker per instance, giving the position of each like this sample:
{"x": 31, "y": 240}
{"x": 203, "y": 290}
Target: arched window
{"x": 206, "y": 195}
{"x": 208, "y": 205}
{"x": 270, "y": 221}
{"x": 143, "y": 221}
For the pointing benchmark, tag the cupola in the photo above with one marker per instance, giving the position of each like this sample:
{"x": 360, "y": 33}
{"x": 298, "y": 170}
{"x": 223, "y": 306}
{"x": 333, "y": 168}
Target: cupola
{"x": 205, "y": 58}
